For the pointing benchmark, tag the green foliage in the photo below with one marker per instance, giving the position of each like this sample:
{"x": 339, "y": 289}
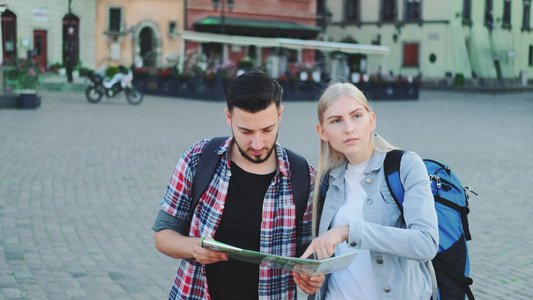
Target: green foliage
{"x": 246, "y": 62}
{"x": 459, "y": 80}
{"x": 57, "y": 65}
{"x": 84, "y": 71}
{"x": 111, "y": 71}
{"x": 29, "y": 74}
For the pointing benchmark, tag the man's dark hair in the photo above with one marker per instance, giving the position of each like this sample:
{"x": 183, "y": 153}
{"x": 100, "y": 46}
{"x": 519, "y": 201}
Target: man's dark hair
{"x": 253, "y": 91}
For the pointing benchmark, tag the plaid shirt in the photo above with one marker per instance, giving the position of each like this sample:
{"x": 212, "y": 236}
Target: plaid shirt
{"x": 278, "y": 228}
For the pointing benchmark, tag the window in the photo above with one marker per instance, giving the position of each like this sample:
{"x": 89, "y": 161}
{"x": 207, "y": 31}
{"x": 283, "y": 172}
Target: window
{"x": 530, "y": 60}
{"x": 412, "y": 10}
{"x": 388, "y": 10}
{"x": 489, "y": 22}
{"x": 172, "y": 27}
{"x": 410, "y": 55}
{"x": 506, "y": 20}
{"x": 9, "y": 34}
{"x": 115, "y": 19}
{"x": 467, "y": 12}
{"x": 527, "y": 14}
{"x": 351, "y": 10}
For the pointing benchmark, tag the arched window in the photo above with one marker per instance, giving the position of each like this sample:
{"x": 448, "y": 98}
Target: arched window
{"x": 9, "y": 35}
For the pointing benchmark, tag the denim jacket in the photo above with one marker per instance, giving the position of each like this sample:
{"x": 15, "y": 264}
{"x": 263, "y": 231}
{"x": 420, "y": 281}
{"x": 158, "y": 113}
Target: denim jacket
{"x": 398, "y": 248}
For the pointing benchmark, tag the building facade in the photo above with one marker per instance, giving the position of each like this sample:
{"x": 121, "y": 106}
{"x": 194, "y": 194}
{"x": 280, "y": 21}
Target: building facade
{"x": 294, "y": 19}
{"x": 46, "y": 31}
{"x": 474, "y": 39}
{"x": 139, "y": 32}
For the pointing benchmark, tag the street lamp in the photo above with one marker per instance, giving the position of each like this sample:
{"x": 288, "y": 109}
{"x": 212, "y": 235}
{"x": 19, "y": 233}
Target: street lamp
{"x": 70, "y": 42}
{"x": 324, "y": 18}
{"x": 3, "y": 8}
{"x": 222, "y": 3}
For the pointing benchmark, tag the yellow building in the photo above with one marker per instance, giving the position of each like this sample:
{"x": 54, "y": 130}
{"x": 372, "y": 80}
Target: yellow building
{"x": 479, "y": 40}
{"x": 139, "y": 32}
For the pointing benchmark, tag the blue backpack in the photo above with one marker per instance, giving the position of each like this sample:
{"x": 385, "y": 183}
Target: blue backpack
{"x": 451, "y": 264}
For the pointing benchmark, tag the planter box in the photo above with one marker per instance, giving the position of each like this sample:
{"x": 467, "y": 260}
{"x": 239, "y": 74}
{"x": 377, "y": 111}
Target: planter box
{"x": 9, "y": 101}
{"x": 29, "y": 100}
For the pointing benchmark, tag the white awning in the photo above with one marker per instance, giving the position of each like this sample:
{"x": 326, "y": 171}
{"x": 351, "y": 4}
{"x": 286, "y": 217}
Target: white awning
{"x": 203, "y": 37}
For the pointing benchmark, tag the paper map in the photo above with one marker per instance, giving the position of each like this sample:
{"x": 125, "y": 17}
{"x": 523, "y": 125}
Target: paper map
{"x": 309, "y": 266}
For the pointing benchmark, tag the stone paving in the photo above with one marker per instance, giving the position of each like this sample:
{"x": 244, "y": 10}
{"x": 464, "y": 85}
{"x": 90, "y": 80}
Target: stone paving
{"x": 80, "y": 185}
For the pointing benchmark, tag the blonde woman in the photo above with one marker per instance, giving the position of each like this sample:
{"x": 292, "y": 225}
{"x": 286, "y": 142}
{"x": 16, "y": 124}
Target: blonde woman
{"x": 359, "y": 213}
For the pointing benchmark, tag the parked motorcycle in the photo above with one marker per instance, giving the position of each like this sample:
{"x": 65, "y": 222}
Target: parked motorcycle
{"x": 111, "y": 88}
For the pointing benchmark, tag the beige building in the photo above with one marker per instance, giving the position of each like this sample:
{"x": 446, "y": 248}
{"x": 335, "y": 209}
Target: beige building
{"x": 138, "y": 31}
{"x": 43, "y": 28}
{"x": 488, "y": 40}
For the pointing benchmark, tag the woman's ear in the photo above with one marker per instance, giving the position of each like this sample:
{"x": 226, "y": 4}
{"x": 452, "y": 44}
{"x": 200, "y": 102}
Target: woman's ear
{"x": 320, "y": 131}
{"x": 373, "y": 120}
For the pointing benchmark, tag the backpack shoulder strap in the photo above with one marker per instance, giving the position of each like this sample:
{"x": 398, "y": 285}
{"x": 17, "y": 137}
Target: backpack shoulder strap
{"x": 321, "y": 199}
{"x": 205, "y": 170}
{"x": 209, "y": 160}
{"x": 300, "y": 182}
{"x": 391, "y": 167}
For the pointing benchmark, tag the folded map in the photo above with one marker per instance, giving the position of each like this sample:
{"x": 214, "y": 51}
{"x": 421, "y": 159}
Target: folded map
{"x": 311, "y": 267}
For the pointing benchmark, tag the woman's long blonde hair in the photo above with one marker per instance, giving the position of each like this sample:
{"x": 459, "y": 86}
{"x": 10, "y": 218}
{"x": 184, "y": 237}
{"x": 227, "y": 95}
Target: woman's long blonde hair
{"x": 330, "y": 158}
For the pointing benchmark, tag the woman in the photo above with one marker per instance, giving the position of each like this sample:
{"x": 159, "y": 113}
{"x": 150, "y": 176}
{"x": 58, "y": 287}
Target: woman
{"x": 359, "y": 213}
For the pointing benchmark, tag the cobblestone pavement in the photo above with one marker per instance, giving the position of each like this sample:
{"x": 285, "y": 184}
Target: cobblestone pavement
{"x": 80, "y": 185}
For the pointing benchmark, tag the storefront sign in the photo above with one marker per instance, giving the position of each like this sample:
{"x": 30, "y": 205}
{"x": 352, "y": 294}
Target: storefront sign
{"x": 40, "y": 14}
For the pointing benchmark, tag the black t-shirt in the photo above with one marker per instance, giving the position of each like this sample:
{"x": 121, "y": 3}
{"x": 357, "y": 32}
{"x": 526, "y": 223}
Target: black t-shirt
{"x": 239, "y": 226}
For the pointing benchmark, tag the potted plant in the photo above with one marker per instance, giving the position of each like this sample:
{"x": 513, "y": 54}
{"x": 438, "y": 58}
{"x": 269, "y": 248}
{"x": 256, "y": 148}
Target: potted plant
{"x": 29, "y": 76}
{"x": 140, "y": 73}
{"x": 246, "y": 63}
{"x": 8, "y": 99}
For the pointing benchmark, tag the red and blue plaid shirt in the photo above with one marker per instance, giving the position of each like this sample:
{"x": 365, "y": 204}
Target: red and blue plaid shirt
{"x": 278, "y": 228}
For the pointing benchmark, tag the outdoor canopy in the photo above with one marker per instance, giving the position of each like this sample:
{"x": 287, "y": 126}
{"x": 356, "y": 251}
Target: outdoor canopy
{"x": 202, "y": 37}
{"x": 257, "y": 27}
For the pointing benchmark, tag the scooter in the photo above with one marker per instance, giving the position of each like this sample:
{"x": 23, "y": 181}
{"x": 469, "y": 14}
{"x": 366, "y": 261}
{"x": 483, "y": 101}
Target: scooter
{"x": 111, "y": 88}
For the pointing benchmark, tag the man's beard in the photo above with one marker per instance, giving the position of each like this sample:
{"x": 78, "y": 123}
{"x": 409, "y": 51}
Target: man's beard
{"x": 256, "y": 160}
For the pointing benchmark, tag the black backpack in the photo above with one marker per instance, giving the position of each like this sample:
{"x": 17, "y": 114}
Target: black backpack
{"x": 209, "y": 160}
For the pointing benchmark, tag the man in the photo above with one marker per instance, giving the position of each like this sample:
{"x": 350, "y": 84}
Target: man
{"x": 248, "y": 204}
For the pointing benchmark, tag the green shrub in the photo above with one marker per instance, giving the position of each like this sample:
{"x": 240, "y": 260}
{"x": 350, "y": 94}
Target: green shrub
{"x": 459, "y": 79}
{"x": 84, "y": 71}
{"x": 246, "y": 63}
{"x": 111, "y": 71}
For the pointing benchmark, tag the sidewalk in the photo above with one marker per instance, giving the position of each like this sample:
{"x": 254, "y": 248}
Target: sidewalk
{"x": 81, "y": 183}
{"x": 57, "y": 83}
{"x": 482, "y": 89}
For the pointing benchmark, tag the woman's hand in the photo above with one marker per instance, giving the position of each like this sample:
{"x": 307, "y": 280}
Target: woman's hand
{"x": 324, "y": 245}
{"x": 308, "y": 284}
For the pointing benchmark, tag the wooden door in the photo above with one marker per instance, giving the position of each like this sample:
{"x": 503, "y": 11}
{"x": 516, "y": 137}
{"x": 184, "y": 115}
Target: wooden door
{"x": 39, "y": 47}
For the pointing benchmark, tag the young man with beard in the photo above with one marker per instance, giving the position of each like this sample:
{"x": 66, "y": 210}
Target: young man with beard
{"x": 248, "y": 204}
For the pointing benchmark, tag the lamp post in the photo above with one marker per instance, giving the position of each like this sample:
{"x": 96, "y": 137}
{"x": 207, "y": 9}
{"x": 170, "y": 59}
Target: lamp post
{"x": 69, "y": 43}
{"x": 324, "y": 17}
{"x": 3, "y": 8}
{"x": 222, "y": 4}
